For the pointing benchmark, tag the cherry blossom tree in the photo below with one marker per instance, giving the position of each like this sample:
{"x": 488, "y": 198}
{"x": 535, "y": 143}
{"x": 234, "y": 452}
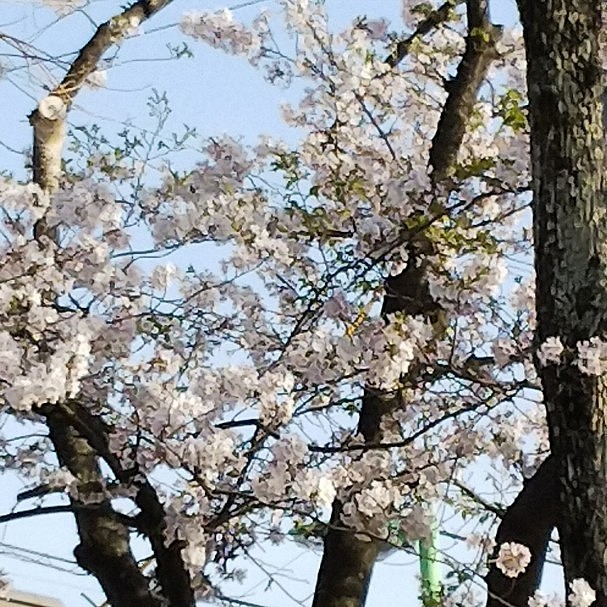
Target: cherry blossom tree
{"x": 362, "y": 349}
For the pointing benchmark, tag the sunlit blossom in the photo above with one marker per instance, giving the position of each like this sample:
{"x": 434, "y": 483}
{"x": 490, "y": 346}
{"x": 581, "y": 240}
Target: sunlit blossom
{"x": 513, "y": 559}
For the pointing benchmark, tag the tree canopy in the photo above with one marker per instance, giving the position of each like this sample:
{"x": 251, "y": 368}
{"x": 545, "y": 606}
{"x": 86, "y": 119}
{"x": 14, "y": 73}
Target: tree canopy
{"x": 350, "y": 342}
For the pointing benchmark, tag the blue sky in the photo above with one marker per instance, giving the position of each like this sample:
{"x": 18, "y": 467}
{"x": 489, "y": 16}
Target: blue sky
{"x": 216, "y": 94}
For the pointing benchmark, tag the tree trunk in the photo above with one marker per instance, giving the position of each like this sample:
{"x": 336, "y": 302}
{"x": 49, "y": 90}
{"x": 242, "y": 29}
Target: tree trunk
{"x": 104, "y": 549}
{"x": 347, "y": 562}
{"x": 567, "y": 149}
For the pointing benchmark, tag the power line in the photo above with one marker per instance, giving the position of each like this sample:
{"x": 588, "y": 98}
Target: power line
{"x": 36, "y": 553}
{"x": 235, "y": 7}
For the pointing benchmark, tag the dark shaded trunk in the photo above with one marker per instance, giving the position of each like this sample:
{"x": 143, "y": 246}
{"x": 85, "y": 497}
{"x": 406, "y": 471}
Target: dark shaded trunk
{"x": 567, "y": 148}
{"x": 347, "y": 562}
{"x": 529, "y": 520}
{"x": 463, "y": 89}
{"x": 346, "y": 565}
{"x": 104, "y": 549}
{"x": 171, "y": 573}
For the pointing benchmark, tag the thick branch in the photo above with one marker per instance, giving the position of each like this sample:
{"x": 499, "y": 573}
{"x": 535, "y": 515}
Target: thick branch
{"x": 104, "y": 549}
{"x": 48, "y": 120}
{"x": 529, "y": 520}
{"x": 109, "y": 33}
{"x": 472, "y": 70}
{"x": 171, "y": 572}
{"x": 347, "y": 561}
{"x": 477, "y": 14}
{"x": 431, "y": 22}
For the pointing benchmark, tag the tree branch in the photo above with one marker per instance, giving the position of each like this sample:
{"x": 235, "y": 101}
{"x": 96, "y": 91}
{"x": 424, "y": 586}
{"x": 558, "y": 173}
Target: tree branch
{"x": 463, "y": 89}
{"x": 347, "y": 561}
{"x": 529, "y": 520}
{"x": 62, "y": 509}
{"x": 432, "y": 21}
{"x": 172, "y": 574}
{"x": 107, "y": 35}
{"x": 104, "y": 548}
{"x": 14, "y": 516}
{"x": 489, "y": 506}
{"x": 48, "y": 119}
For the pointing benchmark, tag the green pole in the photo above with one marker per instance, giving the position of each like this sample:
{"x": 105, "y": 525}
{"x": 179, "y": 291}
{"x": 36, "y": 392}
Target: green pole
{"x": 429, "y": 568}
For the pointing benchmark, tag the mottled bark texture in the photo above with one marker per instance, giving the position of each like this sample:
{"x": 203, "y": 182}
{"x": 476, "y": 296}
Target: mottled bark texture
{"x": 347, "y": 561}
{"x": 567, "y": 149}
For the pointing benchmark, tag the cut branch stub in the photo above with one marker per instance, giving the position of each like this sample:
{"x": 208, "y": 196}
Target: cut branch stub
{"x": 48, "y": 123}
{"x": 48, "y": 119}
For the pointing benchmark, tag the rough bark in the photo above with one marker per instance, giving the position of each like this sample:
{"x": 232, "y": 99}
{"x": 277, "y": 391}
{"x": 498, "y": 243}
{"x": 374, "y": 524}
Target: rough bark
{"x": 104, "y": 549}
{"x": 172, "y": 576}
{"x": 529, "y": 520}
{"x": 570, "y": 237}
{"x": 347, "y": 561}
